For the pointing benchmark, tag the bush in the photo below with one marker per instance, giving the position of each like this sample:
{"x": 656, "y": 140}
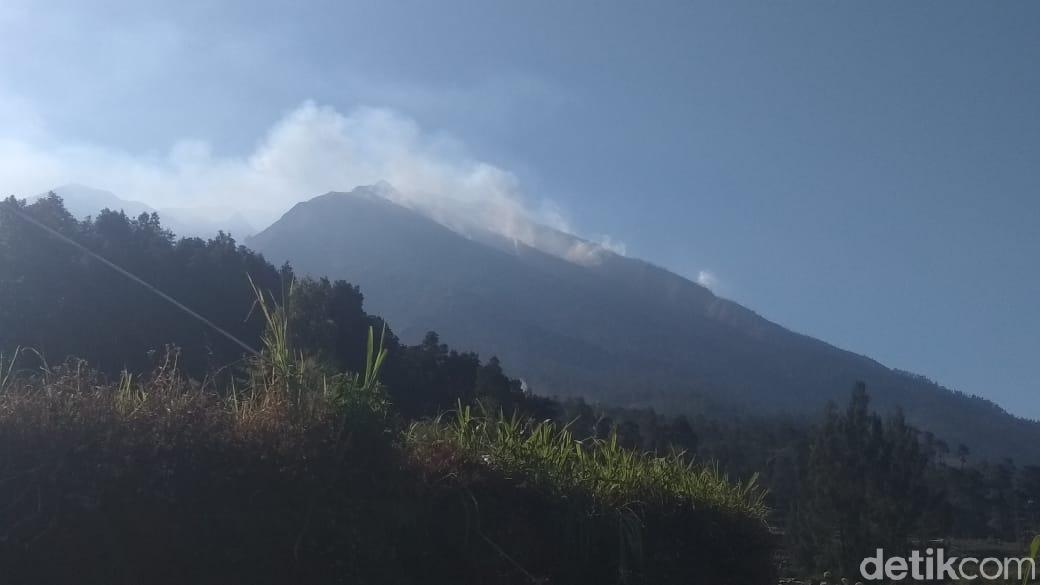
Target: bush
{"x": 592, "y": 511}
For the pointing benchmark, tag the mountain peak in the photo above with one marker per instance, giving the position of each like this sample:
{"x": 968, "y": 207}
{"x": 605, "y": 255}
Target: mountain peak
{"x": 80, "y": 188}
{"x": 380, "y": 190}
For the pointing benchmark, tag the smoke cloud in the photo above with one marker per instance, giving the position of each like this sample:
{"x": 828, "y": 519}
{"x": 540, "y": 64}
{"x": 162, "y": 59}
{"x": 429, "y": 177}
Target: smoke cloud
{"x": 708, "y": 280}
{"x": 312, "y": 150}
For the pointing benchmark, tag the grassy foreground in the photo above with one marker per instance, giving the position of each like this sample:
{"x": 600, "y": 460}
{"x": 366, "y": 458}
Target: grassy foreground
{"x": 295, "y": 475}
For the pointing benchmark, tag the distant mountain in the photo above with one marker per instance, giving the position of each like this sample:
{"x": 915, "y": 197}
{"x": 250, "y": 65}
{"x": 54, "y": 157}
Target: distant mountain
{"x": 83, "y": 201}
{"x": 584, "y": 321}
{"x": 203, "y": 222}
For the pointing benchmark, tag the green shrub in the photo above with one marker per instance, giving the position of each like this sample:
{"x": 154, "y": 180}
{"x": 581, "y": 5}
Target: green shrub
{"x": 593, "y": 511}
{"x": 611, "y": 477}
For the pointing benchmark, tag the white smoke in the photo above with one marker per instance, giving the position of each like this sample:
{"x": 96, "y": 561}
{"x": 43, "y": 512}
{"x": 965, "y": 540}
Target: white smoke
{"x": 312, "y": 150}
{"x": 708, "y": 280}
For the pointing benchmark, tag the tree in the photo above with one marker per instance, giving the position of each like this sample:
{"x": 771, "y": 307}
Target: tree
{"x": 63, "y": 302}
{"x": 962, "y": 454}
{"x": 864, "y": 487}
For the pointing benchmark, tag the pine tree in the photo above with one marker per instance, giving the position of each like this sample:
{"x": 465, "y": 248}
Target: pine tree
{"x": 864, "y": 487}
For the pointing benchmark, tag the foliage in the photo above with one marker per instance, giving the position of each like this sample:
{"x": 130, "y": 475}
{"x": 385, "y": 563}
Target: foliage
{"x": 7, "y": 365}
{"x": 334, "y": 496}
{"x": 63, "y": 303}
{"x": 158, "y": 479}
{"x": 864, "y": 487}
{"x": 607, "y": 513}
{"x": 608, "y": 475}
{"x": 58, "y": 300}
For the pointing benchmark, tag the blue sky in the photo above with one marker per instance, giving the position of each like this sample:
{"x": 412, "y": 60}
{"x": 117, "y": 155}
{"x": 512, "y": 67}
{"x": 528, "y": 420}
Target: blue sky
{"x": 867, "y": 173}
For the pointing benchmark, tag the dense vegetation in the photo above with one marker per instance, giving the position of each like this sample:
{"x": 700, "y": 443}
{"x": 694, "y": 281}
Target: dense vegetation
{"x": 63, "y": 304}
{"x": 168, "y": 424}
{"x": 303, "y": 477}
{"x": 889, "y": 480}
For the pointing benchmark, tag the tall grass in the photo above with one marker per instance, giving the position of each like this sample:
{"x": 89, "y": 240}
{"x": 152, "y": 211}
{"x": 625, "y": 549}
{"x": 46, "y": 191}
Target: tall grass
{"x": 644, "y": 518}
{"x": 155, "y": 478}
{"x": 284, "y": 380}
{"x": 277, "y": 368}
{"x": 7, "y": 365}
{"x": 612, "y": 477}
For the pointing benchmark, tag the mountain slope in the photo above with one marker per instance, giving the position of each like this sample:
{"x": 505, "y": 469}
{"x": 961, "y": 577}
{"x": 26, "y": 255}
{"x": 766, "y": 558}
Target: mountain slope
{"x": 614, "y": 329}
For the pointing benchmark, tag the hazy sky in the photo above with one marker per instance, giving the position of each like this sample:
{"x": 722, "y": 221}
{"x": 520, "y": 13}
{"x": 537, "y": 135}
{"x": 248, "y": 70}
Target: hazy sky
{"x": 867, "y": 173}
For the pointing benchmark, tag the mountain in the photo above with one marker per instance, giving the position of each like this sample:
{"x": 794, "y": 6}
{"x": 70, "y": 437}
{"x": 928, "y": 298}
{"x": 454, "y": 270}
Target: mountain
{"x": 574, "y": 319}
{"x": 202, "y": 222}
{"x": 83, "y": 201}
{"x": 205, "y": 222}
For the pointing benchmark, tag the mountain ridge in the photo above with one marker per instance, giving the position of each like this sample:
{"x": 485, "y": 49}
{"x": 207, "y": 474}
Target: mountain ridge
{"x": 619, "y": 330}
{"x": 723, "y": 337}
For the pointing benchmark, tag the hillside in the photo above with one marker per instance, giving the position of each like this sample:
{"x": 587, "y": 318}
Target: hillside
{"x": 614, "y": 329}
